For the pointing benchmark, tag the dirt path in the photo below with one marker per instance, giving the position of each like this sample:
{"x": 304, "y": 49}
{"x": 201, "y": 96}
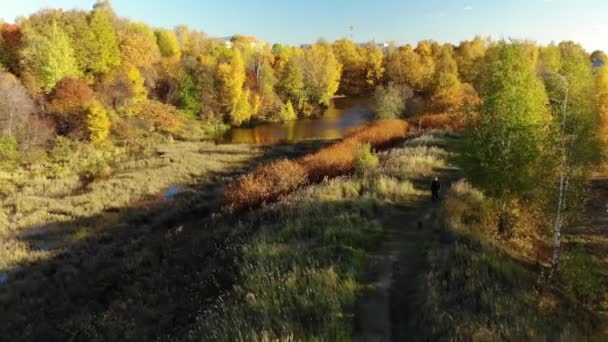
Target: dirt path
{"x": 398, "y": 266}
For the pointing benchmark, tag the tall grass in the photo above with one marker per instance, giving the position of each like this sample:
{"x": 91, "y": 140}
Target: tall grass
{"x": 302, "y": 270}
{"x": 268, "y": 182}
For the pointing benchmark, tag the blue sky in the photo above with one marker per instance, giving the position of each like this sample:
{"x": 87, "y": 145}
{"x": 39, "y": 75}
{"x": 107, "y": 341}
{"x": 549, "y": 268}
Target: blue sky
{"x": 403, "y": 21}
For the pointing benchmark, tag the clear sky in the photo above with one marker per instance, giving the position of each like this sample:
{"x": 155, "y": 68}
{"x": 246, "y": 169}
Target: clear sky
{"x": 403, "y": 21}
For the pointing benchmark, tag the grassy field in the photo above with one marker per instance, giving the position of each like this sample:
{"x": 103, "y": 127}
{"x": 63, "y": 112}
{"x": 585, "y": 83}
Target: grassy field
{"x": 301, "y": 272}
{"x": 471, "y": 285}
{"x": 362, "y": 256}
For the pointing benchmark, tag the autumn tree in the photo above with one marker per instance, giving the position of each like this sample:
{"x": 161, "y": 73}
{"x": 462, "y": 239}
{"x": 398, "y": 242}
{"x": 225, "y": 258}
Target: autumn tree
{"x": 231, "y": 77}
{"x": 577, "y": 148}
{"x": 138, "y": 47}
{"x": 448, "y": 91}
{"x": 291, "y": 78}
{"x": 503, "y": 153}
{"x": 82, "y": 39}
{"x": 549, "y": 59}
{"x": 167, "y": 43}
{"x": 69, "y": 103}
{"x": 98, "y": 123}
{"x": 389, "y": 102}
{"x": 105, "y": 53}
{"x": 469, "y": 56}
{"x": 287, "y": 112}
{"x": 321, "y": 73}
{"x": 11, "y": 41}
{"x": 16, "y": 106}
{"x": 405, "y": 66}
{"x": 49, "y": 56}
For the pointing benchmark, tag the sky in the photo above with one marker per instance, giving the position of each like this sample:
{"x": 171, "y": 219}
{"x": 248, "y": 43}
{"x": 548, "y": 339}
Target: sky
{"x": 401, "y": 21}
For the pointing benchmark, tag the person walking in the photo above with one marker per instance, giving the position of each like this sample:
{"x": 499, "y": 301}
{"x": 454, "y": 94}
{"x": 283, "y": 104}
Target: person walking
{"x": 435, "y": 187}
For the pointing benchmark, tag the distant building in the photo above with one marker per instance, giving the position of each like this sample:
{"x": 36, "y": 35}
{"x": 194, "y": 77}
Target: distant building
{"x": 226, "y": 41}
{"x": 598, "y": 63}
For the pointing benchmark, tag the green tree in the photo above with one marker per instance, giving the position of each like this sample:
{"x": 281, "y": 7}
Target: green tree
{"x": 105, "y": 53}
{"x": 291, "y": 80}
{"x": 575, "y": 114}
{"x": 82, "y": 39}
{"x": 321, "y": 73}
{"x": 503, "y": 153}
{"x": 189, "y": 101}
{"x": 469, "y": 57}
{"x": 168, "y": 44}
{"x": 549, "y": 59}
{"x": 50, "y": 57}
{"x": 389, "y": 102}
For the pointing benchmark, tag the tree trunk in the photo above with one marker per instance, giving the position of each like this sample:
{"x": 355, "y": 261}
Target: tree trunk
{"x": 557, "y": 229}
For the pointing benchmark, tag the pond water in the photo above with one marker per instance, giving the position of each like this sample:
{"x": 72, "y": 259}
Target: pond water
{"x": 342, "y": 117}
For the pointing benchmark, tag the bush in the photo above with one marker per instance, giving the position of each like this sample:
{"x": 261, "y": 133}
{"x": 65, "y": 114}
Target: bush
{"x": 365, "y": 159}
{"x": 162, "y": 115}
{"x": 98, "y": 123}
{"x": 445, "y": 122}
{"x": 337, "y": 159}
{"x": 389, "y": 102}
{"x": 265, "y": 184}
{"x": 580, "y": 278}
{"x": 287, "y": 112}
{"x": 8, "y": 148}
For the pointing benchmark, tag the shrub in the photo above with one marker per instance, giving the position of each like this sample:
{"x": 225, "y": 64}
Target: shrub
{"x": 265, "y": 184}
{"x": 71, "y": 96}
{"x": 580, "y": 278}
{"x": 389, "y": 102}
{"x": 365, "y": 159}
{"x": 8, "y": 148}
{"x": 444, "y": 122}
{"x": 287, "y": 112}
{"x": 162, "y": 115}
{"x": 98, "y": 123}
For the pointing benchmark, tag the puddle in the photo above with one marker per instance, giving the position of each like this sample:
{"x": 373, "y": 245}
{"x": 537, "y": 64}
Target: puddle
{"x": 3, "y": 277}
{"x": 173, "y": 191}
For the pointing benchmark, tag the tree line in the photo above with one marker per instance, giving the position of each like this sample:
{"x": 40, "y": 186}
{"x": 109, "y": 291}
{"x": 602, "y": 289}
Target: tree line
{"x": 89, "y": 75}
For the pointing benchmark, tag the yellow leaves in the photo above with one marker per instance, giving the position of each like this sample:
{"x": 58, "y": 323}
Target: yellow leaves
{"x": 98, "y": 123}
{"x": 140, "y": 93}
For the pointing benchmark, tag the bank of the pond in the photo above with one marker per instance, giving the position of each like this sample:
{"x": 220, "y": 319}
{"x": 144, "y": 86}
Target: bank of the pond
{"x": 344, "y": 115}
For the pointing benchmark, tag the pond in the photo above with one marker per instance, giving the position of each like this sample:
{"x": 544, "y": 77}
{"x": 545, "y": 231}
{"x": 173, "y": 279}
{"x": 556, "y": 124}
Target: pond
{"x": 342, "y": 117}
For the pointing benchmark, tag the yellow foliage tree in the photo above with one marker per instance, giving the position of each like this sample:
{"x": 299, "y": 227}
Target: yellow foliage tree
{"x": 241, "y": 112}
{"x": 140, "y": 93}
{"x": 98, "y": 123}
{"x": 287, "y": 112}
{"x": 231, "y": 77}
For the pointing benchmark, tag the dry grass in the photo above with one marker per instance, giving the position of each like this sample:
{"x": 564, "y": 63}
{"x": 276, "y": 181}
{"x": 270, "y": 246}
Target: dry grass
{"x": 261, "y": 185}
{"x": 444, "y": 122}
{"x": 267, "y": 183}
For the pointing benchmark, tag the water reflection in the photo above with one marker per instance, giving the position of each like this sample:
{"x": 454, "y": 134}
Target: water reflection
{"x": 342, "y": 117}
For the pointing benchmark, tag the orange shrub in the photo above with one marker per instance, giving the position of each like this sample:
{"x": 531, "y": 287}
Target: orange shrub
{"x": 438, "y": 121}
{"x": 337, "y": 159}
{"x": 268, "y": 183}
{"x": 163, "y": 116}
{"x": 265, "y": 184}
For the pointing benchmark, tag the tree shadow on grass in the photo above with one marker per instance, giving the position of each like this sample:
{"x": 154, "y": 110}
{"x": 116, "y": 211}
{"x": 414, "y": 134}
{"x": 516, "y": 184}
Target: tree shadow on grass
{"x": 134, "y": 273}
